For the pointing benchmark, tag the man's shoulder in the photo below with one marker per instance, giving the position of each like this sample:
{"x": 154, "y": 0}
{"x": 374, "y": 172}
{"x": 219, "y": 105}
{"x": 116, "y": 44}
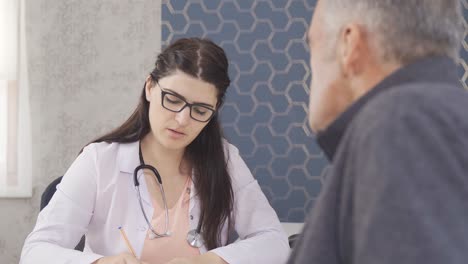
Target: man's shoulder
{"x": 420, "y": 101}
{"x": 410, "y": 113}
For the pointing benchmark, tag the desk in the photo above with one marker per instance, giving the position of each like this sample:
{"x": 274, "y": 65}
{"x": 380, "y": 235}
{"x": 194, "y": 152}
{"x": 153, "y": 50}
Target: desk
{"x": 292, "y": 228}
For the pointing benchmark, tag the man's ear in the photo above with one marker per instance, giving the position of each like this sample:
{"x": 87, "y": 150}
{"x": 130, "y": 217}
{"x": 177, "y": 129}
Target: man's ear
{"x": 148, "y": 88}
{"x": 352, "y": 46}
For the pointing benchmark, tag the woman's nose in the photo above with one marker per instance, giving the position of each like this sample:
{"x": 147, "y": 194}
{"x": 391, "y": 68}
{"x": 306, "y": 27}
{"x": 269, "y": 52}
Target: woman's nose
{"x": 183, "y": 117}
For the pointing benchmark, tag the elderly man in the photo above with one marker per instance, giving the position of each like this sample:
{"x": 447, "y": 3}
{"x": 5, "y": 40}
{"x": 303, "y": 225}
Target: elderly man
{"x": 391, "y": 116}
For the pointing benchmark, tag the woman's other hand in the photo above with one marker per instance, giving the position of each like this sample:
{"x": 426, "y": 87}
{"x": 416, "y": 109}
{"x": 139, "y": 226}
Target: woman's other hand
{"x": 181, "y": 261}
{"x": 124, "y": 258}
{"x": 207, "y": 258}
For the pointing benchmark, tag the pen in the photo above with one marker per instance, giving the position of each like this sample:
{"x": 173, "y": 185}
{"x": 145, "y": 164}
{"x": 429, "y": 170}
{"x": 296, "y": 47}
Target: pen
{"x": 124, "y": 236}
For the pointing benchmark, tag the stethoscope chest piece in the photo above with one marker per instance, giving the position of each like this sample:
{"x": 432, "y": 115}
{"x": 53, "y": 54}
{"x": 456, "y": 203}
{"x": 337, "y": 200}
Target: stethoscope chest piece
{"x": 194, "y": 238}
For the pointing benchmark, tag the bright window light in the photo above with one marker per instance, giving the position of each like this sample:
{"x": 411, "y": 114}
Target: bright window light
{"x": 3, "y": 125}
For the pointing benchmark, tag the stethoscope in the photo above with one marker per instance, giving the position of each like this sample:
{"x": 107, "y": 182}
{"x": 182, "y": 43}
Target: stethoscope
{"x": 194, "y": 237}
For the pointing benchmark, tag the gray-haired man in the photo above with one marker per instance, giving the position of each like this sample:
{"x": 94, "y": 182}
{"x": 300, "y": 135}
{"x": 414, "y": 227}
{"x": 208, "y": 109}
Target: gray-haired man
{"x": 392, "y": 118}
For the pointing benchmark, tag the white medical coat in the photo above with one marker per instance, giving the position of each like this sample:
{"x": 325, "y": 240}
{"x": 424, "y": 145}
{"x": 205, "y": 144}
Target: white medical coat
{"x": 97, "y": 195}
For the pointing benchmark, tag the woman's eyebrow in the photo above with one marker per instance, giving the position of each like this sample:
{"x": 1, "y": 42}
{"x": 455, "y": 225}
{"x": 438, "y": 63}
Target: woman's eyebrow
{"x": 185, "y": 99}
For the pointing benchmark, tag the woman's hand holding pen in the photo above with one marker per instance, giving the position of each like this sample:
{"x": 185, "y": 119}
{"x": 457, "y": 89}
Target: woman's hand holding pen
{"x": 124, "y": 258}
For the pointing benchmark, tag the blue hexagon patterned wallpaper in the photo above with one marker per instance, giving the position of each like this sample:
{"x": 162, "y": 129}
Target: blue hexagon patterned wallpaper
{"x": 265, "y": 111}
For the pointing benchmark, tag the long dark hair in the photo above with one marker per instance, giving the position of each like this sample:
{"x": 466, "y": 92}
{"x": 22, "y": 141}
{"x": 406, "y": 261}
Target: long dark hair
{"x": 203, "y": 59}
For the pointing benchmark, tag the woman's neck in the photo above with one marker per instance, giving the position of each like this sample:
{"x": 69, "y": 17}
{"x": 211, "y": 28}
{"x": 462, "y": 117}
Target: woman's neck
{"x": 165, "y": 160}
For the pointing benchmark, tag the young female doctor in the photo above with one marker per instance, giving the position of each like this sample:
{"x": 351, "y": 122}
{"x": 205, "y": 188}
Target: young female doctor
{"x": 166, "y": 178}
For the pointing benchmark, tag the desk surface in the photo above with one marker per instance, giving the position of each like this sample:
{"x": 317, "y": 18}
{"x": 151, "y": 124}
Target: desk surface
{"x": 292, "y": 228}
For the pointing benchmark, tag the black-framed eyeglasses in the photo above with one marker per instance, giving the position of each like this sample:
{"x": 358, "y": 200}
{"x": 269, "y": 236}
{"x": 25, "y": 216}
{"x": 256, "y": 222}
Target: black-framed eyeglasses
{"x": 175, "y": 103}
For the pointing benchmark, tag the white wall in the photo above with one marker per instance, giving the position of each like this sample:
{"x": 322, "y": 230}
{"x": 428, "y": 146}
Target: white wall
{"x": 87, "y": 63}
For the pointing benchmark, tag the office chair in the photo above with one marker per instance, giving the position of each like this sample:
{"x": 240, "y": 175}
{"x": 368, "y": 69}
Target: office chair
{"x": 292, "y": 240}
{"x": 45, "y": 198}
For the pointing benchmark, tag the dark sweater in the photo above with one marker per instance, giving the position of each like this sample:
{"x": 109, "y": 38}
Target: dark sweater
{"x": 397, "y": 187}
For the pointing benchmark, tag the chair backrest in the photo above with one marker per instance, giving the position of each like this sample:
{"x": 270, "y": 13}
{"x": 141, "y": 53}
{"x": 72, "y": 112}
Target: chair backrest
{"x": 49, "y": 192}
{"x": 45, "y": 198}
{"x": 292, "y": 240}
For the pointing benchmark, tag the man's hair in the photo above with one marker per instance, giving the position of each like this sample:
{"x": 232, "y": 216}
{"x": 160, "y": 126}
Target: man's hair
{"x": 402, "y": 30}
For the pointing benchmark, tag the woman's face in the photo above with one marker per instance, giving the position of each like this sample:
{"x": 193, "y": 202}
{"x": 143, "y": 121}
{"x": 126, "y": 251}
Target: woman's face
{"x": 176, "y": 130}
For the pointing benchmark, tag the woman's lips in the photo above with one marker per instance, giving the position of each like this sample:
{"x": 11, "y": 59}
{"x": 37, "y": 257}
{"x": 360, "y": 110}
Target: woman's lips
{"x": 175, "y": 134}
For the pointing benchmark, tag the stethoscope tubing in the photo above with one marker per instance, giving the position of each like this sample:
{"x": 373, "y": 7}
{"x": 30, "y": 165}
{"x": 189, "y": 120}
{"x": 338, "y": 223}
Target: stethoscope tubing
{"x": 194, "y": 237}
{"x": 161, "y": 188}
